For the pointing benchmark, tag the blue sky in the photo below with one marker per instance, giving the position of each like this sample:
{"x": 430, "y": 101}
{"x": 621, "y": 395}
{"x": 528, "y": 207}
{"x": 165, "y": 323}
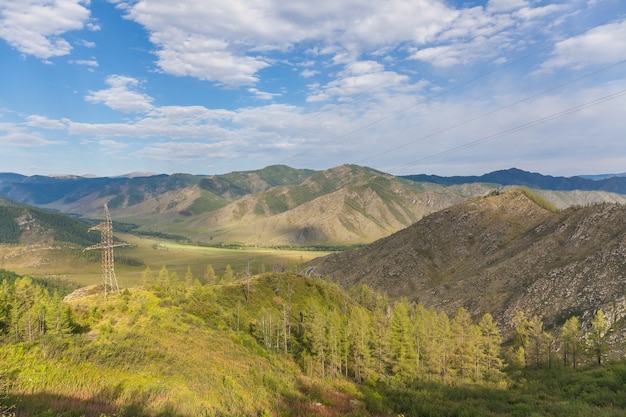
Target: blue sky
{"x": 405, "y": 86}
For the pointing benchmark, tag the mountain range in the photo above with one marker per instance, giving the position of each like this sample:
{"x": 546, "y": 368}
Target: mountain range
{"x": 279, "y": 205}
{"x": 615, "y": 183}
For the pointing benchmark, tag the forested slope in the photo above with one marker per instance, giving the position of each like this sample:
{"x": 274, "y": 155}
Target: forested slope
{"x": 274, "y": 344}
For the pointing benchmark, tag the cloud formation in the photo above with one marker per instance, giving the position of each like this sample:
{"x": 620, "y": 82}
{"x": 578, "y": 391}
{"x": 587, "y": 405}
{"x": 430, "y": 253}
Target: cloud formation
{"x": 121, "y": 95}
{"x": 35, "y": 27}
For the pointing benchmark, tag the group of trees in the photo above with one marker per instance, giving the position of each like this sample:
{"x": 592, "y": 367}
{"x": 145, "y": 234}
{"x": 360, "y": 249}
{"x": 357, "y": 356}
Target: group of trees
{"x": 371, "y": 337}
{"x": 29, "y": 312}
{"x": 360, "y": 335}
{"x": 535, "y": 347}
{"x": 404, "y": 341}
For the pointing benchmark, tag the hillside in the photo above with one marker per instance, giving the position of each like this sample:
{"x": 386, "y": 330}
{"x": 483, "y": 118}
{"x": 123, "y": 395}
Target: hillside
{"x": 500, "y": 254}
{"x": 24, "y": 224}
{"x": 340, "y": 206}
{"x": 271, "y": 345}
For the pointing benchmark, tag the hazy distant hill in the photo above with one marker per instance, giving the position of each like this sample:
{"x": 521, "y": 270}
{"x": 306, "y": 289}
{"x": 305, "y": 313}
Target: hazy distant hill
{"x": 500, "y": 254}
{"x": 514, "y": 176}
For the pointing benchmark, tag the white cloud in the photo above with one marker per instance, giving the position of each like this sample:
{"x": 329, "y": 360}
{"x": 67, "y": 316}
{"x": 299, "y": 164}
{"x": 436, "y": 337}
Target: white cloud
{"x": 262, "y": 95}
{"x": 506, "y": 5}
{"x": 236, "y": 44}
{"x": 601, "y": 45}
{"x": 86, "y": 62}
{"x": 85, "y": 43}
{"x": 361, "y": 77}
{"x": 121, "y": 96}
{"x": 15, "y": 136}
{"x": 308, "y": 73}
{"x": 44, "y": 122}
{"x": 183, "y": 152}
{"x": 35, "y": 27}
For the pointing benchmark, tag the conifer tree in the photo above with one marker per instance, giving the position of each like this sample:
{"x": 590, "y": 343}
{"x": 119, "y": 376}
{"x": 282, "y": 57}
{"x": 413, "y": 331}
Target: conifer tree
{"x": 147, "y": 277}
{"x": 423, "y": 321}
{"x": 209, "y": 275}
{"x": 163, "y": 280}
{"x": 359, "y": 344}
{"x": 491, "y": 339}
{"x": 228, "y": 274}
{"x": 597, "y": 336}
{"x": 188, "y": 279}
{"x": 442, "y": 338}
{"x": 381, "y": 352}
{"x": 536, "y": 339}
{"x": 402, "y": 348}
{"x": 314, "y": 323}
{"x": 465, "y": 343}
{"x": 520, "y": 339}
{"x": 334, "y": 332}
{"x": 570, "y": 339}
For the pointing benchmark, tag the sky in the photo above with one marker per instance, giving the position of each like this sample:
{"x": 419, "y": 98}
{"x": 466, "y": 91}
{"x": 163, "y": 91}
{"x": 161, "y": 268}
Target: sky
{"x": 441, "y": 87}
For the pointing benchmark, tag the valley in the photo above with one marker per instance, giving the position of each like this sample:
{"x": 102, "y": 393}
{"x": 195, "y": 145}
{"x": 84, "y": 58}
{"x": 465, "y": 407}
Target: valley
{"x": 285, "y": 292}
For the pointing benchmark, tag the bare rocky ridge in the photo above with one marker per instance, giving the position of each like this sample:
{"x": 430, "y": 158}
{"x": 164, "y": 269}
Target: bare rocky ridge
{"x": 500, "y": 254}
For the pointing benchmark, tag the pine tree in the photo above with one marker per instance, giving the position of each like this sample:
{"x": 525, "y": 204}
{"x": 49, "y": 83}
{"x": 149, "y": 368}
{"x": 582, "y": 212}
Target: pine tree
{"x": 228, "y": 274}
{"x": 314, "y": 324}
{"x": 465, "y": 343}
{"x": 381, "y": 352}
{"x": 570, "y": 339}
{"x": 147, "y": 277}
{"x": 359, "y": 323}
{"x": 188, "y": 279}
{"x": 402, "y": 348}
{"x": 597, "y": 336}
{"x": 491, "y": 339}
{"x": 209, "y": 276}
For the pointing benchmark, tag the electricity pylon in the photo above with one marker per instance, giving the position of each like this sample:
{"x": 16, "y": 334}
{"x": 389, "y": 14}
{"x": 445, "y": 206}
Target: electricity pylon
{"x": 109, "y": 282}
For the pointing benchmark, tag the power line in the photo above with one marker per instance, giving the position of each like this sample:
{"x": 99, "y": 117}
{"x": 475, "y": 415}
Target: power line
{"x": 489, "y": 113}
{"x": 426, "y": 99}
{"x": 516, "y": 129}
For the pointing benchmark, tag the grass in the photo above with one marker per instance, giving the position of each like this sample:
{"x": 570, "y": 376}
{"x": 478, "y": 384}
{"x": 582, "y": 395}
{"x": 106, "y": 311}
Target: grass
{"x": 67, "y": 262}
{"x": 139, "y": 355}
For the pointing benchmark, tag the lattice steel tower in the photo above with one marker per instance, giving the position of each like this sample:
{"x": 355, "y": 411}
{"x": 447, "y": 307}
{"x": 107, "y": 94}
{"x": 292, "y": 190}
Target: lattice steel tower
{"x": 109, "y": 281}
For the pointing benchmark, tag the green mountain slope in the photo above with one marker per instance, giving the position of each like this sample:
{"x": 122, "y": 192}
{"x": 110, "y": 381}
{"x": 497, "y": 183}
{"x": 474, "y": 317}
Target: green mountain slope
{"x": 269, "y": 345}
{"x": 341, "y": 206}
{"x": 20, "y": 223}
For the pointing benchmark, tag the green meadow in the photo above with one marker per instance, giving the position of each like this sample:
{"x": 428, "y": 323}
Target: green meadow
{"x": 72, "y": 264}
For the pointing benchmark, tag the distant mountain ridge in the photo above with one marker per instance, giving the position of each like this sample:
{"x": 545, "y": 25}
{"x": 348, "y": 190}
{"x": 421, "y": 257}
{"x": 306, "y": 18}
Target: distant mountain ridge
{"x": 518, "y": 177}
{"x": 280, "y": 205}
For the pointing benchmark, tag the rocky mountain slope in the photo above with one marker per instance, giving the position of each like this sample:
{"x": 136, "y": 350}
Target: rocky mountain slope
{"x": 500, "y": 254}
